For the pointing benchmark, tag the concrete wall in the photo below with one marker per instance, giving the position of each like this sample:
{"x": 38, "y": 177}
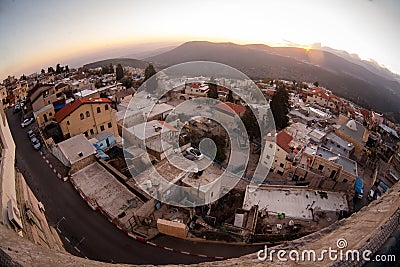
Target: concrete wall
{"x": 7, "y": 169}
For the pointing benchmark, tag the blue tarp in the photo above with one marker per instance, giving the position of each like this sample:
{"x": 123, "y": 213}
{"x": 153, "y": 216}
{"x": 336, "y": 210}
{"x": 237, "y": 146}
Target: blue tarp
{"x": 59, "y": 106}
{"x": 358, "y": 186}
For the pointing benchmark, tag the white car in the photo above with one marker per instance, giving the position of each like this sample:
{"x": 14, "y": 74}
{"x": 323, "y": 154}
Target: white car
{"x": 194, "y": 152}
{"x": 26, "y": 122}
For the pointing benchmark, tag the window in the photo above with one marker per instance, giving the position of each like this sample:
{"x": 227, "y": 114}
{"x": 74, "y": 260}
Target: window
{"x": 268, "y": 157}
{"x": 102, "y": 128}
{"x": 86, "y": 133}
{"x": 106, "y": 107}
{"x": 281, "y": 165}
{"x": 109, "y": 125}
{"x": 68, "y": 123}
{"x": 98, "y": 110}
{"x": 345, "y": 180}
{"x": 87, "y": 114}
{"x": 320, "y": 167}
{"x": 271, "y": 145}
{"x": 50, "y": 114}
{"x": 81, "y": 115}
{"x": 91, "y": 132}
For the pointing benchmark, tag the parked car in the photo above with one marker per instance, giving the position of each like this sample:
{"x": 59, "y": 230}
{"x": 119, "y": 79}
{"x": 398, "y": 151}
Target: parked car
{"x": 190, "y": 157}
{"x": 17, "y": 108}
{"x": 31, "y": 133}
{"x": 36, "y": 143}
{"x": 26, "y": 122}
{"x": 194, "y": 152}
{"x": 371, "y": 195}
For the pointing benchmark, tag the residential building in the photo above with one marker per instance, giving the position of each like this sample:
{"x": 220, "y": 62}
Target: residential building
{"x": 228, "y": 111}
{"x": 44, "y": 115}
{"x": 76, "y": 152}
{"x": 155, "y": 136}
{"x": 42, "y": 95}
{"x": 324, "y": 98}
{"x": 3, "y": 94}
{"x": 280, "y": 145}
{"x": 196, "y": 89}
{"x": 89, "y": 116}
{"x": 353, "y": 132}
{"x": 337, "y": 145}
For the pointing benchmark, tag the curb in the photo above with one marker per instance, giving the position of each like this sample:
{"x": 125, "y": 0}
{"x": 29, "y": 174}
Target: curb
{"x": 137, "y": 238}
{"x": 64, "y": 178}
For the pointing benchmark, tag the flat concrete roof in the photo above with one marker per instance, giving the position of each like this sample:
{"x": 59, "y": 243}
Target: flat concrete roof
{"x": 295, "y": 202}
{"x": 98, "y": 184}
{"x": 76, "y": 148}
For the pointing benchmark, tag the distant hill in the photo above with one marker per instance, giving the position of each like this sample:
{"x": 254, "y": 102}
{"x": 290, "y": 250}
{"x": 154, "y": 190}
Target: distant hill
{"x": 342, "y": 76}
{"x": 125, "y": 62}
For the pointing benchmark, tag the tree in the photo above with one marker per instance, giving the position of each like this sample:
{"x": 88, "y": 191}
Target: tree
{"x": 212, "y": 89}
{"x": 111, "y": 68}
{"x": 127, "y": 82}
{"x": 316, "y": 84}
{"x": 42, "y": 71}
{"x": 50, "y": 70}
{"x": 229, "y": 98}
{"x": 151, "y": 84}
{"x": 251, "y": 124}
{"x": 280, "y": 107}
{"x": 58, "y": 68}
{"x": 67, "y": 69}
{"x": 119, "y": 71}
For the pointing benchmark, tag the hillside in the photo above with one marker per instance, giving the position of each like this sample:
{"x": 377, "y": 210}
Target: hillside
{"x": 343, "y": 77}
{"x": 125, "y": 62}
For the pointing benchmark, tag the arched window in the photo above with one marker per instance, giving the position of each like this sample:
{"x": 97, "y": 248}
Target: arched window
{"x": 98, "y": 110}
{"x": 82, "y": 117}
{"x": 106, "y": 107}
{"x": 87, "y": 114}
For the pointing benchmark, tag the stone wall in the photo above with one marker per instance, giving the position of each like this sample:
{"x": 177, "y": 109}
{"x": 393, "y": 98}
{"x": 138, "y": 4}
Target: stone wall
{"x": 367, "y": 229}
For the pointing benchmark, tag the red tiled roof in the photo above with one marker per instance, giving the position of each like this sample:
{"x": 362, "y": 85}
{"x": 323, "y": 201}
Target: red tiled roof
{"x": 322, "y": 93}
{"x": 283, "y": 139}
{"x": 231, "y": 107}
{"x": 69, "y": 108}
{"x": 365, "y": 112}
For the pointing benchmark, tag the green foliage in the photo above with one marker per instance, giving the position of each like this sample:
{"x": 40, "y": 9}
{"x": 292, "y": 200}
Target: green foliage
{"x": 250, "y": 122}
{"x": 280, "y": 107}
{"x": 151, "y": 84}
{"x": 119, "y": 72}
{"x": 229, "y": 98}
{"x": 212, "y": 89}
{"x": 220, "y": 142}
{"x": 127, "y": 82}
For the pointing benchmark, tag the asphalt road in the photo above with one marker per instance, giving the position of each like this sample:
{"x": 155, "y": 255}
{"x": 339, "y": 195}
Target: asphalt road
{"x": 88, "y": 230}
{"x": 102, "y": 240}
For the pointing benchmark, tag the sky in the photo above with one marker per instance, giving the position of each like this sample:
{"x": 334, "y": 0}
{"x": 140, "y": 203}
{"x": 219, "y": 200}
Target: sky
{"x": 37, "y": 34}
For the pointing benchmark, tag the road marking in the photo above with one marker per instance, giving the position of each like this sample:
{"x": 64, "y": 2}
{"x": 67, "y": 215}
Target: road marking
{"x": 218, "y": 257}
{"x": 66, "y": 238}
{"x": 151, "y": 243}
{"x": 201, "y": 255}
{"x": 184, "y": 252}
{"x": 170, "y": 249}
